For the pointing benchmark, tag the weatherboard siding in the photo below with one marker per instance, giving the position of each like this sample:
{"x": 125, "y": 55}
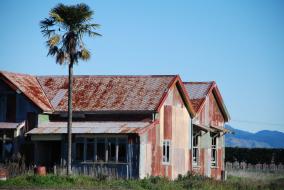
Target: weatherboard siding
{"x": 18, "y": 108}
{"x": 178, "y": 131}
{"x": 210, "y": 115}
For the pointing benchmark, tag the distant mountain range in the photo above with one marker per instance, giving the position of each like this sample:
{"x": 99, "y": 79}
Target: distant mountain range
{"x": 261, "y": 139}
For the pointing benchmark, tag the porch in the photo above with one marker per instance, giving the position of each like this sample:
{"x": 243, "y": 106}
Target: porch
{"x": 114, "y": 151}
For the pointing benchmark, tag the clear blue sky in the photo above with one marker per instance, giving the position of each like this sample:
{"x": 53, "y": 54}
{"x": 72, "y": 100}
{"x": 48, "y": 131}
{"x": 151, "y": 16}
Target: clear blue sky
{"x": 239, "y": 44}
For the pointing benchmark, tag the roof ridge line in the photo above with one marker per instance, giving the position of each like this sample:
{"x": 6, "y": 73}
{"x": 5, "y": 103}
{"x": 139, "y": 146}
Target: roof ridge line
{"x": 44, "y": 93}
{"x": 199, "y": 82}
{"x": 39, "y": 76}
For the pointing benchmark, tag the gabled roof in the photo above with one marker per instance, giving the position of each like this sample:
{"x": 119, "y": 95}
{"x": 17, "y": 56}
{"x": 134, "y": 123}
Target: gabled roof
{"x": 106, "y": 93}
{"x": 198, "y": 92}
{"x": 93, "y": 93}
{"x": 29, "y": 86}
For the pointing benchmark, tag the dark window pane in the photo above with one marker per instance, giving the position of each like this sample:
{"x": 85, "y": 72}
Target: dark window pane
{"x": 164, "y": 149}
{"x": 111, "y": 149}
{"x": 101, "y": 150}
{"x": 90, "y": 151}
{"x": 79, "y": 139}
{"x": 168, "y": 152}
{"x": 122, "y": 152}
{"x": 90, "y": 140}
{"x": 79, "y": 151}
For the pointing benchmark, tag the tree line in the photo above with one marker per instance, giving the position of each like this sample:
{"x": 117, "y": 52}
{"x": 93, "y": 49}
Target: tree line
{"x": 255, "y": 155}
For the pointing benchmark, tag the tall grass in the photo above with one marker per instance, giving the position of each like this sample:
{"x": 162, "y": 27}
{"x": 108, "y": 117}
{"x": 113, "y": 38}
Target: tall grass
{"x": 152, "y": 183}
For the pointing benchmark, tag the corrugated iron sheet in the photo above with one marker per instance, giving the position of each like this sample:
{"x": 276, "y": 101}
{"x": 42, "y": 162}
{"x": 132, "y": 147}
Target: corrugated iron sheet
{"x": 7, "y": 125}
{"x": 107, "y": 93}
{"x": 29, "y": 85}
{"x": 90, "y": 127}
{"x": 197, "y": 92}
{"x": 196, "y": 103}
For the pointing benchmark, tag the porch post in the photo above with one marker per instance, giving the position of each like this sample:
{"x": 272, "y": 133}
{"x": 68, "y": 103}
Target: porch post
{"x": 3, "y": 145}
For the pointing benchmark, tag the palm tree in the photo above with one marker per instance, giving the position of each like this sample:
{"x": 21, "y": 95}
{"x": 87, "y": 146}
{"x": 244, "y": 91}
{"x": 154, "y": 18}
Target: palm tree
{"x": 64, "y": 29}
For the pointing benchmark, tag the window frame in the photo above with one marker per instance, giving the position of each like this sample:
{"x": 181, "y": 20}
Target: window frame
{"x": 166, "y": 156}
{"x": 117, "y": 140}
{"x": 196, "y": 159}
{"x": 214, "y": 150}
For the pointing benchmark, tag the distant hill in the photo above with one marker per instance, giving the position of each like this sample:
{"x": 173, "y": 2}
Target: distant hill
{"x": 261, "y": 139}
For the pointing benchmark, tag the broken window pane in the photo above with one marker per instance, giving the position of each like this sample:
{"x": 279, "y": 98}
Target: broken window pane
{"x": 112, "y": 149}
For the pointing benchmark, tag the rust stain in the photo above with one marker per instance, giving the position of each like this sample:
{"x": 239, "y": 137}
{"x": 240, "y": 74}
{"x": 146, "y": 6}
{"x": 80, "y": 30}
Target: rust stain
{"x": 216, "y": 172}
{"x": 93, "y": 93}
{"x": 30, "y": 87}
{"x": 168, "y": 122}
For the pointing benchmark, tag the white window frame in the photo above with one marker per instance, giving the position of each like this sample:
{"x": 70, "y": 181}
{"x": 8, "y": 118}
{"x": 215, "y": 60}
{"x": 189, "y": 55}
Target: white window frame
{"x": 214, "y": 151}
{"x": 166, "y": 157}
{"x": 196, "y": 149}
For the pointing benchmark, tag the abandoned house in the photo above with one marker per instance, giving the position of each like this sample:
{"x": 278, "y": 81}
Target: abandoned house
{"x": 136, "y": 126}
{"x": 208, "y": 143}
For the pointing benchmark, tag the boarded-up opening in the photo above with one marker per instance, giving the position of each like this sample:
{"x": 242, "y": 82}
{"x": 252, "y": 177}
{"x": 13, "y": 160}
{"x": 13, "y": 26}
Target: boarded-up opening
{"x": 168, "y": 122}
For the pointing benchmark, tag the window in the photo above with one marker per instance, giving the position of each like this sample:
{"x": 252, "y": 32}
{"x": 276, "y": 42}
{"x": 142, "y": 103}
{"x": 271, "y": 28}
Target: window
{"x": 121, "y": 143}
{"x": 80, "y": 149}
{"x": 166, "y": 152}
{"x": 214, "y": 150}
{"x": 195, "y": 150}
{"x": 101, "y": 149}
{"x": 111, "y": 149}
{"x": 90, "y": 149}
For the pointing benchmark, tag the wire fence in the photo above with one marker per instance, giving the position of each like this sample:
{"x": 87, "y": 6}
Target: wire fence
{"x": 254, "y": 167}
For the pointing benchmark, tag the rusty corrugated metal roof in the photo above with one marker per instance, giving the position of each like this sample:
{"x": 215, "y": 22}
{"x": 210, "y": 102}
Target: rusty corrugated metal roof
{"x": 107, "y": 93}
{"x": 95, "y": 93}
{"x": 90, "y": 127}
{"x": 196, "y": 103}
{"x": 8, "y": 125}
{"x": 197, "y": 92}
{"x": 29, "y": 85}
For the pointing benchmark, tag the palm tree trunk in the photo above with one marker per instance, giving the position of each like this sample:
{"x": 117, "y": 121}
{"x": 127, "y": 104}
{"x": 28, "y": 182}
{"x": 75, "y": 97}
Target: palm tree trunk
{"x": 69, "y": 125}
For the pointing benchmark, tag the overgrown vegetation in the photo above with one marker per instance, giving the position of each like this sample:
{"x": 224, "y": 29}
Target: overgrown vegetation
{"x": 152, "y": 183}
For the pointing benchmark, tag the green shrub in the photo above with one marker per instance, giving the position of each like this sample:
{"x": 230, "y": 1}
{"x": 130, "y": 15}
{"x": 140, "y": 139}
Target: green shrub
{"x": 189, "y": 181}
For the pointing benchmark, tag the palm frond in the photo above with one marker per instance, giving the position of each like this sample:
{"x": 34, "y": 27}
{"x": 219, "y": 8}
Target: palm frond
{"x": 47, "y": 33}
{"x": 88, "y": 29}
{"x": 53, "y": 50}
{"x": 56, "y": 17}
{"x": 65, "y": 29}
{"x": 45, "y": 23}
{"x": 84, "y": 54}
{"x": 93, "y": 34}
{"x": 60, "y": 57}
{"x": 45, "y": 26}
{"x": 54, "y": 40}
